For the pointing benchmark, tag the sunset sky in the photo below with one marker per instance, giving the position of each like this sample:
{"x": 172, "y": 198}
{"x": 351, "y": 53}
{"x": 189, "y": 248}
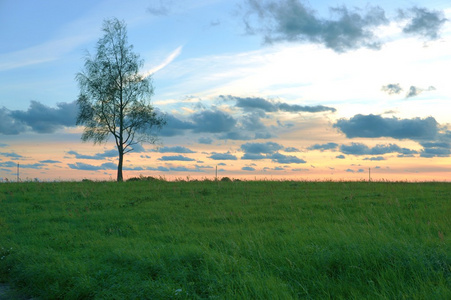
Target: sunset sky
{"x": 288, "y": 89}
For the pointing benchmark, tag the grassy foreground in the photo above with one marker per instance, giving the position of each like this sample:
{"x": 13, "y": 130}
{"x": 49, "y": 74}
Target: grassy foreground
{"x": 226, "y": 240}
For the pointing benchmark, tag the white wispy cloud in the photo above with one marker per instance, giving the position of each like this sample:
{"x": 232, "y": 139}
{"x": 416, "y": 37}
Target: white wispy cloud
{"x": 170, "y": 58}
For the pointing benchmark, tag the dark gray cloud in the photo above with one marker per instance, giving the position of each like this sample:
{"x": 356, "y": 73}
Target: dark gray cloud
{"x": 11, "y": 154}
{"x": 248, "y": 169}
{"x": 292, "y": 20}
{"x": 300, "y": 108}
{"x": 291, "y": 149}
{"x": 251, "y": 103}
{"x": 11, "y": 164}
{"x": 102, "y": 167}
{"x": 374, "y": 126}
{"x": 286, "y": 159}
{"x": 36, "y": 166}
{"x": 10, "y": 125}
{"x": 253, "y": 156}
{"x": 174, "y": 126}
{"x": 185, "y": 169}
{"x": 435, "y": 149}
{"x": 50, "y": 161}
{"x": 353, "y": 171}
{"x": 85, "y": 167}
{"x": 415, "y": 91}
{"x": 97, "y": 156}
{"x": 376, "y": 158}
{"x": 235, "y": 135}
{"x": 261, "y": 148}
{"x": 322, "y": 147}
{"x": 340, "y": 156}
{"x": 423, "y": 22}
{"x": 263, "y": 135}
{"x": 222, "y": 156}
{"x": 44, "y": 119}
{"x": 205, "y": 140}
{"x": 175, "y": 158}
{"x": 392, "y": 88}
{"x": 8, "y": 164}
{"x": 213, "y": 121}
{"x": 362, "y": 149}
{"x": 268, "y": 150}
{"x": 175, "y": 149}
{"x": 257, "y": 103}
{"x": 252, "y": 122}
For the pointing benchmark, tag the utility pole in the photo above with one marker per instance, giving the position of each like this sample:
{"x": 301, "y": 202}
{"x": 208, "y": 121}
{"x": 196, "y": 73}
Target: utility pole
{"x": 17, "y": 172}
{"x": 216, "y": 174}
{"x": 369, "y": 174}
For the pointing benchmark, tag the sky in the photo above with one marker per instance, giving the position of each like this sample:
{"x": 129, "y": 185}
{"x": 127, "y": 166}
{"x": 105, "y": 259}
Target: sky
{"x": 266, "y": 90}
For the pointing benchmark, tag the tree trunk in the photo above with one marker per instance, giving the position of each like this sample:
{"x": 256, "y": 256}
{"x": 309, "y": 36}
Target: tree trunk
{"x": 119, "y": 166}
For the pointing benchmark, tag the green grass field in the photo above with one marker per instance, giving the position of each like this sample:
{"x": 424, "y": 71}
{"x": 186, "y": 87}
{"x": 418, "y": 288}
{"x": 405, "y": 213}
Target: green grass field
{"x": 226, "y": 240}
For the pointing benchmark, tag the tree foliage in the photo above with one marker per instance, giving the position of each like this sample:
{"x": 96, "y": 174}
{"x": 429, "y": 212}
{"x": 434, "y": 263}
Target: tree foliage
{"x": 114, "y": 96}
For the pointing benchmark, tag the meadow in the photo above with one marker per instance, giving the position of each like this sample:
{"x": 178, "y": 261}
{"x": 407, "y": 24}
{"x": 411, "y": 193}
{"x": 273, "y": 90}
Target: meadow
{"x": 226, "y": 240}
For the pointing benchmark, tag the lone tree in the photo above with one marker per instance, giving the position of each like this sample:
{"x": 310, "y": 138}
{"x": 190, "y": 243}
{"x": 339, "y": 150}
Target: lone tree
{"x": 114, "y": 97}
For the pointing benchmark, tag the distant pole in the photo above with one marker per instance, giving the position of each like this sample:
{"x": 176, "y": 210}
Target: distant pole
{"x": 369, "y": 174}
{"x": 216, "y": 173}
{"x": 17, "y": 172}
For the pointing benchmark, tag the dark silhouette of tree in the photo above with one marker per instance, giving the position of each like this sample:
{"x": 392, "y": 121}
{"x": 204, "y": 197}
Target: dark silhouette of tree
{"x": 114, "y": 97}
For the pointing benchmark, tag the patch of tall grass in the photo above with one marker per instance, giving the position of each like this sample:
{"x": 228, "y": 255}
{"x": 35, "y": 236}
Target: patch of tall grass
{"x": 152, "y": 239}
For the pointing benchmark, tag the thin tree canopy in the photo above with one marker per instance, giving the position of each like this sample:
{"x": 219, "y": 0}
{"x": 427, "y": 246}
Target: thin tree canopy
{"x": 114, "y": 97}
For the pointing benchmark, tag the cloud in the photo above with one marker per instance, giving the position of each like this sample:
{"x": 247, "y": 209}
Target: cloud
{"x": 340, "y": 156}
{"x": 392, "y": 88}
{"x": 36, "y": 166}
{"x": 291, "y": 20}
{"x": 174, "y": 126}
{"x": 213, "y": 121}
{"x": 286, "y": 159}
{"x": 85, "y": 167}
{"x": 253, "y": 103}
{"x": 11, "y": 154}
{"x": 235, "y": 135}
{"x": 50, "y": 161}
{"x": 185, "y": 169}
{"x": 268, "y": 150}
{"x": 374, "y": 126}
{"x": 205, "y": 140}
{"x": 261, "y": 148}
{"x": 8, "y": 124}
{"x": 415, "y": 91}
{"x": 377, "y": 158}
{"x": 45, "y": 119}
{"x": 322, "y": 147}
{"x": 423, "y": 22}
{"x": 435, "y": 149}
{"x": 171, "y": 57}
{"x": 97, "y": 156}
{"x": 253, "y": 156}
{"x": 362, "y": 149}
{"x": 175, "y": 149}
{"x": 300, "y": 108}
{"x": 248, "y": 169}
{"x": 161, "y": 9}
{"x": 222, "y": 156}
{"x": 291, "y": 149}
{"x": 176, "y": 158}
{"x": 8, "y": 164}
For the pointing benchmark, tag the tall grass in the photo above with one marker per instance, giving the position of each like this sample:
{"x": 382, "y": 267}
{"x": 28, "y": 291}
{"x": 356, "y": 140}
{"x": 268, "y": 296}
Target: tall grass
{"x": 226, "y": 240}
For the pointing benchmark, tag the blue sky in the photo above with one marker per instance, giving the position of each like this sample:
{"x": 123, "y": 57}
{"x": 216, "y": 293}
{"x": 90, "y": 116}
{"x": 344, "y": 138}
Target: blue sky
{"x": 260, "y": 89}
